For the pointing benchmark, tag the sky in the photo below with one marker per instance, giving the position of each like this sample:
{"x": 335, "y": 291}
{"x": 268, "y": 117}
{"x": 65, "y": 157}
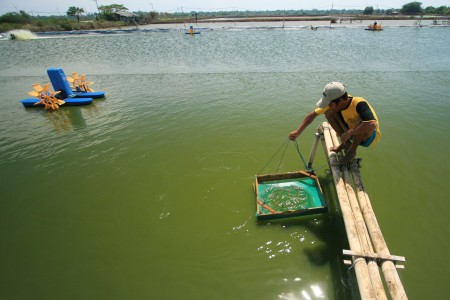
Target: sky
{"x": 59, "y": 7}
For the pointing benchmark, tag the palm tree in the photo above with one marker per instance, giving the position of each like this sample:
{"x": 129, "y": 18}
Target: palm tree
{"x": 75, "y": 11}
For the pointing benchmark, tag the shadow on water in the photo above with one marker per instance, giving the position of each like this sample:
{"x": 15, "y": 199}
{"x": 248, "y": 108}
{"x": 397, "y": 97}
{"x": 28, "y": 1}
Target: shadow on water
{"x": 64, "y": 119}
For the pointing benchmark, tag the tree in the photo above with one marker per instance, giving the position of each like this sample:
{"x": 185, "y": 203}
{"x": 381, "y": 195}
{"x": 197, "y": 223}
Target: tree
{"x": 412, "y": 8}
{"x": 442, "y": 10}
{"x": 108, "y": 11}
{"x": 368, "y": 10}
{"x": 429, "y": 10}
{"x": 147, "y": 17}
{"x": 153, "y": 16}
{"x": 75, "y": 11}
{"x": 17, "y": 18}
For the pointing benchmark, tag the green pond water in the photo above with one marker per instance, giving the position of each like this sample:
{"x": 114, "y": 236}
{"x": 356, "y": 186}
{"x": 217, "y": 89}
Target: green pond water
{"x": 147, "y": 194}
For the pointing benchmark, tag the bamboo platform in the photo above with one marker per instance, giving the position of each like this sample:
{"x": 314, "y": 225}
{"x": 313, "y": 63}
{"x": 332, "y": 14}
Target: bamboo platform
{"x": 368, "y": 250}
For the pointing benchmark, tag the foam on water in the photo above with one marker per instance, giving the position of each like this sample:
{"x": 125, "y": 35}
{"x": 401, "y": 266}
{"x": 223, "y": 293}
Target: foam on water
{"x": 20, "y": 35}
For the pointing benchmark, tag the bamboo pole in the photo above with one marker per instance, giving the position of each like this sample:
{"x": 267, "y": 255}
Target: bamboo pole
{"x": 363, "y": 233}
{"x": 313, "y": 150}
{"x": 390, "y": 273}
{"x": 366, "y": 289}
{"x": 389, "y": 269}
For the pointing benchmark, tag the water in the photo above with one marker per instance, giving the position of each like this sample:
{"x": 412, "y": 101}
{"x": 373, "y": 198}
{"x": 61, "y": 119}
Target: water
{"x": 148, "y": 192}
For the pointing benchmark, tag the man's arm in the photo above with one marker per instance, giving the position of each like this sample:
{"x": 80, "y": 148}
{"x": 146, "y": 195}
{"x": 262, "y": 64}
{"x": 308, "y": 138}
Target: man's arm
{"x": 309, "y": 118}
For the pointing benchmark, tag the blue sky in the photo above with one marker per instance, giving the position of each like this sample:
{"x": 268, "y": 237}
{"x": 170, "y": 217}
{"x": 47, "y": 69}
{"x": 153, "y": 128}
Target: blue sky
{"x": 45, "y": 7}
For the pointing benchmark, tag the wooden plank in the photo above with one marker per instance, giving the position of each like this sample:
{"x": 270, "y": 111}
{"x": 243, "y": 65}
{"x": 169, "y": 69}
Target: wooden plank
{"x": 281, "y": 176}
{"x": 393, "y": 258}
{"x": 348, "y": 262}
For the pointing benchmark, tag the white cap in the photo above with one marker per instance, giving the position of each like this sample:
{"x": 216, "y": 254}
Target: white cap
{"x": 332, "y": 91}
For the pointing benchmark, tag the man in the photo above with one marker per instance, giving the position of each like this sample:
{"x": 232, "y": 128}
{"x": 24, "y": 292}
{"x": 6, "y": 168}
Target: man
{"x": 353, "y": 119}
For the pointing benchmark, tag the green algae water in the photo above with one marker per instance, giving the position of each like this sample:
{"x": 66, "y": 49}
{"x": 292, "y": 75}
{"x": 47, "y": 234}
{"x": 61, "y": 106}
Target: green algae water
{"x": 147, "y": 193}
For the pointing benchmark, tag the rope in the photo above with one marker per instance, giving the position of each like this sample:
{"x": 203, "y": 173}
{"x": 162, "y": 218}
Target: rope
{"x": 298, "y": 150}
{"x": 273, "y": 156}
{"x": 355, "y": 262}
{"x": 285, "y": 145}
{"x": 314, "y": 170}
{"x": 304, "y": 162}
{"x": 281, "y": 159}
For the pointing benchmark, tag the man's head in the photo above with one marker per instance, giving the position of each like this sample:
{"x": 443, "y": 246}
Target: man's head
{"x": 332, "y": 91}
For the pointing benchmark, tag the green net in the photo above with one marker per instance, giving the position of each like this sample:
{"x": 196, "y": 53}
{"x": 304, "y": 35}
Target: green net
{"x": 300, "y": 195}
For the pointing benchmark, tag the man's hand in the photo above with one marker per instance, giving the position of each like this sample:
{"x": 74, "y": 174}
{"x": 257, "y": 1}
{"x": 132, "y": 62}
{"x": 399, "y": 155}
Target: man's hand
{"x": 293, "y": 135}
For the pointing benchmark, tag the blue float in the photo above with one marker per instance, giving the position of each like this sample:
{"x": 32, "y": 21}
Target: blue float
{"x": 31, "y": 102}
{"x": 60, "y": 83}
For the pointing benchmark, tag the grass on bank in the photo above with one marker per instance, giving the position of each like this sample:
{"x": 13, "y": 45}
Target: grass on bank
{"x": 60, "y": 24}
{"x": 22, "y": 20}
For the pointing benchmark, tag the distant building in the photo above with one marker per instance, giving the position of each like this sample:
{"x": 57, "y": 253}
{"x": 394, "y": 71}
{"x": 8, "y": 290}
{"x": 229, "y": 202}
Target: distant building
{"x": 126, "y": 16}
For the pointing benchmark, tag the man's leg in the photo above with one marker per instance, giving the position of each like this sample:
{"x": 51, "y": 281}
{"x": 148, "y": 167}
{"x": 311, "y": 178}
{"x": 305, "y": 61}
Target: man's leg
{"x": 350, "y": 153}
{"x": 339, "y": 126}
{"x": 336, "y": 122}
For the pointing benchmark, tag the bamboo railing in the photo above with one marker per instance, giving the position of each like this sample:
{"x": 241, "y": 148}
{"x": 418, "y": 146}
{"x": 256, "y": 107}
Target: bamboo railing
{"x": 368, "y": 248}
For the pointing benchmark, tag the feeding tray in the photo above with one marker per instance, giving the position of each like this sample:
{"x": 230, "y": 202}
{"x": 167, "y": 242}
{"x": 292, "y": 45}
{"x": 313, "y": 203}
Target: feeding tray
{"x": 287, "y": 195}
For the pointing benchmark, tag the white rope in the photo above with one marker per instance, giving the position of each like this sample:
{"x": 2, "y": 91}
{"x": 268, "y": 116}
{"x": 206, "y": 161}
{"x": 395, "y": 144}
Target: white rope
{"x": 357, "y": 260}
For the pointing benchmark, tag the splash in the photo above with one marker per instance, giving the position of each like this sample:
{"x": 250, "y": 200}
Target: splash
{"x": 20, "y": 35}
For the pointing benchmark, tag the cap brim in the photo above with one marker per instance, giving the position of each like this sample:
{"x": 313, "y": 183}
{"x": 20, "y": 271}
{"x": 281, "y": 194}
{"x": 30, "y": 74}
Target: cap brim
{"x": 320, "y": 103}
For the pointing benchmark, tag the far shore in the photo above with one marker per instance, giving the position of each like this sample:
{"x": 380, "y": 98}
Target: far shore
{"x": 320, "y": 22}
{"x": 268, "y": 21}
{"x": 321, "y": 18}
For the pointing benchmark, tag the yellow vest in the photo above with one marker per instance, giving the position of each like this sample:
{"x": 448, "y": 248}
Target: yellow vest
{"x": 351, "y": 116}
